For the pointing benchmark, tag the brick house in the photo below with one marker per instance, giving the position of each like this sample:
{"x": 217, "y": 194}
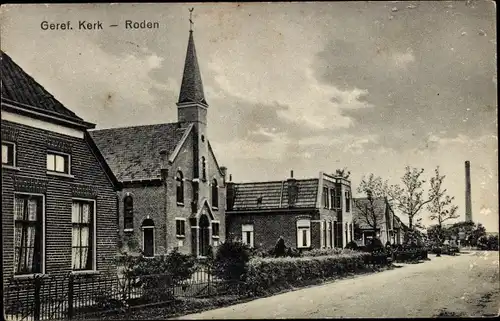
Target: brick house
{"x": 382, "y": 222}
{"x": 308, "y": 213}
{"x": 58, "y": 194}
{"x": 173, "y": 188}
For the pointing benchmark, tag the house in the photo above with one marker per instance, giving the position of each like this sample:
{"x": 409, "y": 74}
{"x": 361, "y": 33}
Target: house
{"x": 174, "y": 192}
{"x": 376, "y": 218}
{"x": 307, "y": 213}
{"x": 58, "y": 193}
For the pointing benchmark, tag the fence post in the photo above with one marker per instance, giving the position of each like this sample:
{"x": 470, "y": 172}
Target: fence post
{"x": 38, "y": 285}
{"x": 70, "y": 296}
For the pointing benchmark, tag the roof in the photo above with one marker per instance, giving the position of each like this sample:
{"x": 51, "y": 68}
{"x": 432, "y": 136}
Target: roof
{"x": 21, "y": 91}
{"x": 135, "y": 153}
{"x": 192, "y": 86}
{"x": 274, "y": 195}
{"x": 359, "y": 213}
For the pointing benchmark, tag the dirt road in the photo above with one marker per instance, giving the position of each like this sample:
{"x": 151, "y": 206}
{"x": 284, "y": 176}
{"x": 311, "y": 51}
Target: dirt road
{"x": 464, "y": 285}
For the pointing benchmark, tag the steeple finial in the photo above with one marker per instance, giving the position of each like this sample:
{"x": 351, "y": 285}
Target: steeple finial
{"x": 191, "y": 23}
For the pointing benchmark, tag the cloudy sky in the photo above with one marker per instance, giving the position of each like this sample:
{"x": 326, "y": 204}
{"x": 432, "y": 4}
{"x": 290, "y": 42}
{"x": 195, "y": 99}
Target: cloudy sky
{"x": 371, "y": 86}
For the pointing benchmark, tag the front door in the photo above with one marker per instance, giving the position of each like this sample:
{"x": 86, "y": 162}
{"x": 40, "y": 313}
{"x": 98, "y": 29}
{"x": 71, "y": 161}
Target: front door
{"x": 204, "y": 235}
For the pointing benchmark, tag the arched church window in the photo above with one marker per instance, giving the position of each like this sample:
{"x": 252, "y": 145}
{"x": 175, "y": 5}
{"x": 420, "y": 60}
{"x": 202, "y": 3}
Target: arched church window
{"x": 215, "y": 193}
{"x": 204, "y": 168}
{"x": 128, "y": 212}
{"x": 180, "y": 187}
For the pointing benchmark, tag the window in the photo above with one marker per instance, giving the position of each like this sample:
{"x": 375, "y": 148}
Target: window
{"x": 148, "y": 238}
{"x": 215, "y": 194}
{"x": 58, "y": 163}
{"x": 28, "y": 216}
{"x": 347, "y": 201}
{"x": 180, "y": 227}
{"x": 128, "y": 212}
{"x": 83, "y": 235}
{"x": 179, "y": 178}
{"x": 8, "y": 154}
{"x": 204, "y": 168}
{"x": 338, "y": 198}
{"x": 332, "y": 198}
{"x": 346, "y": 227}
{"x": 338, "y": 234}
{"x": 325, "y": 197}
{"x": 247, "y": 234}
{"x": 325, "y": 235}
{"x": 215, "y": 229}
{"x": 303, "y": 233}
{"x": 322, "y": 242}
{"x": 330, "y": 234}
{"x": 352, "y": 231}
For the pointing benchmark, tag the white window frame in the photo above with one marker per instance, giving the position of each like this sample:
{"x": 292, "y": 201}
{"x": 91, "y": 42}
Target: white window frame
{"x": 94, "y": 236}
{"x": 304, "y": 224}
{"x": 248, "y": 228}
{"x": 154, "y": 240}
{"x": 56, "y": 153}
{"x": 42, "y": 269}
{"x": 328, "y": 233}
{"x": 211, "y": 226}
{"x": 183, "y": 220}
{"x": 14, "y": 156}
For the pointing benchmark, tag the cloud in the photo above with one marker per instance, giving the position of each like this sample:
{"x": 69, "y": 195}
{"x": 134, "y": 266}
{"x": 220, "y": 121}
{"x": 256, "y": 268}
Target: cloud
{"x": 403, "y": 59}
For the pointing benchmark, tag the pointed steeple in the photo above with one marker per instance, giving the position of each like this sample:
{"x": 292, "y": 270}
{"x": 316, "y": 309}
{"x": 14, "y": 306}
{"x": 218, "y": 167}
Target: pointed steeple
{"x": 192, "y": 86}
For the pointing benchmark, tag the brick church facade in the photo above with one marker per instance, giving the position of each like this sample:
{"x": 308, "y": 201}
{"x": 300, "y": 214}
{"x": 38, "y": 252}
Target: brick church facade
{"x": 174, "y": 192}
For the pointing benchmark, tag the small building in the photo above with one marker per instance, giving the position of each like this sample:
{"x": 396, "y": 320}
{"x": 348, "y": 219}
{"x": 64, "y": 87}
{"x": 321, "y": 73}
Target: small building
{"x": 174, "y": 192}
{"x": 58, "y": 194}
{"x": 376, "y": 219}
{"x": 307, "y": 213}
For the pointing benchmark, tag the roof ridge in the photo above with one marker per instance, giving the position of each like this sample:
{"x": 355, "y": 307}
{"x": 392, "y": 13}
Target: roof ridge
{"x": 277, "y": 181}
{"x": 134, "y": 126}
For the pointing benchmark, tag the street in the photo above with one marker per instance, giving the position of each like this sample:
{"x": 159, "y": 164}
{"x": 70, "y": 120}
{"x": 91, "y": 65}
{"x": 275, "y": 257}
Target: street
{"x": 463, "y": 285}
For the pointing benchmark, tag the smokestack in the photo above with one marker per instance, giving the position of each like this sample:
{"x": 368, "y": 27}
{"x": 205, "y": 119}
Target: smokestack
{"x": 468, "y": 203}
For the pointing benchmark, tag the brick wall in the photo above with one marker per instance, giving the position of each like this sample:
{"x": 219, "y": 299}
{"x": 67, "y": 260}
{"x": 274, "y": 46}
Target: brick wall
{"x": 268, "y": 227}
{"x": 90, "y": 181}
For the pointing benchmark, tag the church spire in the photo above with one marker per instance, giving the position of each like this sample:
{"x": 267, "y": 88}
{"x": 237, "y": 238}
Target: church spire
{"x": 192, "y": 86}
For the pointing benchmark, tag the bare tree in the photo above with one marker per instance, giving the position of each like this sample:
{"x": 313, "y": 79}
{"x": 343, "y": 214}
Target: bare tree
{"x": 344, "y": 173}
{"x": 409, "y": 198}
{"x": 441, "y": 207}
{"x": 374, "y": 189}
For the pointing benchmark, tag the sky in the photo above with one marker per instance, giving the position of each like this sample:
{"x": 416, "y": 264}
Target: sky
{"x": 368, "y": 86}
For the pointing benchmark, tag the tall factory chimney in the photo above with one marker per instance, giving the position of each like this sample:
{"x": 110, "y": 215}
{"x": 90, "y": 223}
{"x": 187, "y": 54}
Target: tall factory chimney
{"x": 468, "y": 204}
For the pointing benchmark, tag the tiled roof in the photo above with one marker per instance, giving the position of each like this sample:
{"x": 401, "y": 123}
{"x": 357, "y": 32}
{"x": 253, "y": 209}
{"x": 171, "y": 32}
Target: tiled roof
{"x": 19, "y": 87}
{"x": 358, "y": 212}
{"x": 274, "y": 195}
{"x": 192, "y": 86}
{"x": 134, "y": 153}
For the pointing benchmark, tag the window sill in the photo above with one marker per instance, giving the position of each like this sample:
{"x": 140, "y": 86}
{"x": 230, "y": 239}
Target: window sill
{"x": 30, "y": 276}
{"x": 86, "y": 272}
{"x": 128, "y": 230}
{"x": 10, "y": 167}
{"x": 180, "y": 236}
{"x": 215, "y": 208}
{"x": 180, "y": 204}
{"x": 215, "y": 237}
{"x": 60, "y": 174}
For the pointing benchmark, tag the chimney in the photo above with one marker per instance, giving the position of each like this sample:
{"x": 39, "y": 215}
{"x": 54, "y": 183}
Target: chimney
{"x": 293, "y": 190}
{"x": 468, "y": 204}
{"x": 230, "y": 194}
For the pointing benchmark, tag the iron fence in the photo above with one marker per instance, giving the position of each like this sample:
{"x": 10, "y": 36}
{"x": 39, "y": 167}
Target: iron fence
{"x": 77, "y": 296}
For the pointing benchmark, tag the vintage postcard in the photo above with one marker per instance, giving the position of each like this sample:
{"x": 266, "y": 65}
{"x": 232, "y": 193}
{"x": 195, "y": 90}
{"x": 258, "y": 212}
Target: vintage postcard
{"x": 249, "y": 160}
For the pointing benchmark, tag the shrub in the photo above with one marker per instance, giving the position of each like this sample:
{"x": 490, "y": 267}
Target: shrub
{"x": 266, "y": 274}
{"x": 375, "y": 245}
{"x": 231, "y": 261}
{"x": 322, "y": 252}
{"x": 293, "y": 252}
{"x": 352, "y": 245}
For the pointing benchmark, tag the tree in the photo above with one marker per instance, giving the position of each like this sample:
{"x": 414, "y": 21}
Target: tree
{"x": 440, "y": 207}
{"x": 472, "y": 231}
{"x": 374, "y": 189}
{"x": 344, "y": 173}
{"x": 437, "y": 234}
{"x": 409, "y": 198}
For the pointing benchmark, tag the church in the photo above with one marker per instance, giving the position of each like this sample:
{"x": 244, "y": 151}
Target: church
{"x": 174, "y": 191}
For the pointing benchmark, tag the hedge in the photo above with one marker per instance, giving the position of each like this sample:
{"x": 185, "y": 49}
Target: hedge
{"x": 264, "y": 274}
